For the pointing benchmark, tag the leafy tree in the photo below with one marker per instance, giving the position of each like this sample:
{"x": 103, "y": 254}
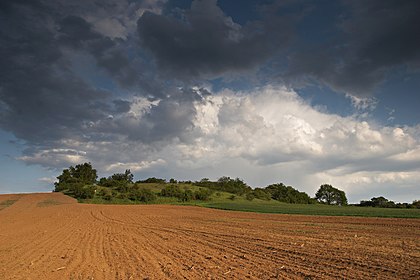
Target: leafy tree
{"x": 250, "y": 196}
{"x": 226, "y": 184}
{"x": 171, "y": 190}
{"x": 152, "y": 180}
{"x": 236, "y": 186}
{"x": 82, "y": 174}
{"x": 330, "y": 195}
{"x": 83, "y": 192}
{"x": 416, "y": 204}
{"x": 77, "y": 181}
{"x": 85, "y": 173}
{"x": 141, "y": 194}
{"x": 203, "y": 194}
{"x": 127, "y": 176}
{"x": 261, "y": 194}
{"x": 105, "y": 194}
{"x": 65, "y": 181}
{"x": 187, "y": 195}
{"x": 287, "y": 194}
{"x": 118, "y": 181}
{"x": 379, "y": 201}
{"x": 382, "y": 202}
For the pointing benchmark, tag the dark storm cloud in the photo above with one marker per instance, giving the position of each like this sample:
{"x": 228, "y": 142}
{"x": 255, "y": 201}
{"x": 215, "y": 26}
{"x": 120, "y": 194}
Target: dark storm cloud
{"x": 173, "y": 115}
{"x": 170, "y": 118}
{"x": 39, "y": 94}
{"x": 372, "y": 38}
{"x": 353, "y": 52}
{"x": 204, "y": 42}
{"x": 42, "y": 97}
{"x": 73, "y": 70}
{"x": 78, "y": 34}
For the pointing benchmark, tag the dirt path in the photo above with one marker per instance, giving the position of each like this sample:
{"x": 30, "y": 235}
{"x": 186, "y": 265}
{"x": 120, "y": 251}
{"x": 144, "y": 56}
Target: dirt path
{"x": 50, "y": 236}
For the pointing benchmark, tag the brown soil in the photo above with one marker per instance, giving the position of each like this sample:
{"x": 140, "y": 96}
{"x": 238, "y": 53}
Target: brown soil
{"x": 50, "y": 236}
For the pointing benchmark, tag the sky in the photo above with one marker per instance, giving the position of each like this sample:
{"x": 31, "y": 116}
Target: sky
{"x": 299, "y": 92}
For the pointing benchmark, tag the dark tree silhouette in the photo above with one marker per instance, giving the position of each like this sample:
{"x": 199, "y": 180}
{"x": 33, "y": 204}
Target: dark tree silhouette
{"x": 329, "y": 195}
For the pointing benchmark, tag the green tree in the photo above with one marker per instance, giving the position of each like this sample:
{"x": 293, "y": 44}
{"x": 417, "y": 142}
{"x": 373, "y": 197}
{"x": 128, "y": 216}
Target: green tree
{"x": 75, "y": 179}
{"x": 118, "y": 181}
{"x": 127, "y": 176}
{"x": 287, "y": 194}
{"x": 85, "y": 173}
{"x": 152, "y": 180}
{"x": 330, "y": 195}
{"x": 382, "y": 202}
{"x": 187, "y": 195}
{"x": 171, "y": 190}
{"x": 250, "y": 196}
{"x": 203, "y": 194}
{"x": 141, "y": 194}
{"x": 83, "y": 192}
{"x": 236, "y": 186}
{"x": 261, "y": 194}
{"x": 105, "y": 193}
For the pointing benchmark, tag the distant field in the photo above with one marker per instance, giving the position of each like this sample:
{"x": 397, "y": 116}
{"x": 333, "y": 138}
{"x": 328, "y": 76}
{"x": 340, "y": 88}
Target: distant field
{"x": 223, "y": 200}
{"x": 311, "y": 209}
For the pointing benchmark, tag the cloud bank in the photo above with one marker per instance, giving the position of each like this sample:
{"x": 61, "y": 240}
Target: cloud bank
{"x": 264, "y": 136}
{"x": 132, "y": 84}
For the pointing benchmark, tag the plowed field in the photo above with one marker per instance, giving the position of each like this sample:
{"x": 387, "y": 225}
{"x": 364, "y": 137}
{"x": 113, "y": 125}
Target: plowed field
{"x": 50, "y": 236}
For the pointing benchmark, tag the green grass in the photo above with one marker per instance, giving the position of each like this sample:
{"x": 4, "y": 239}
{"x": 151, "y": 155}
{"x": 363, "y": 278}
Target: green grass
{"x": 122, "y": 201}
{"x": 48, "y": 202}
{"x": 157, "y": 188}
{"x": 7, "y": 203}
{"x": 222, "y": 200}
{"x": 310, "y": 209}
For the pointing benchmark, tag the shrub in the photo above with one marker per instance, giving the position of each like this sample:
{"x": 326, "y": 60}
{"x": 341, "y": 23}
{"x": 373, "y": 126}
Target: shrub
{"x": 226, "y": 184}
{"x": 141, "y": 194}
{"x": 250, "y": 196}
{"x": 83, "y": 192}
{"x": 122, "y": 195}
{"x": 329, "y": 195}
{"x": 171, "y": 190}
{"x": 74, "y": 178}
{"x": 287, "y": 194}
{"x": 202, "y": 194}
{"x": 261, "y": 194}
{"x": 153, "y": 180}
{"x": 105, "y": 194}
{"x": 187, "y": 195}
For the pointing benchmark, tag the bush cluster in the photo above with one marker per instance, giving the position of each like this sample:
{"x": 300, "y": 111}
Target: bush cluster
{"x": 77, "y": 181}
{"x": 382, "y": 202}
{"x": 81, "y": 182}
{"x": 186, "y": 194}
{"x": 225, "y": 184}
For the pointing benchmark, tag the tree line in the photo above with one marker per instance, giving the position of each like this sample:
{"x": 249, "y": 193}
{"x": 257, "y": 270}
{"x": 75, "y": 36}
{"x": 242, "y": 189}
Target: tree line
{"x": 81, "y": 182}
{"x": 382, "y": 202}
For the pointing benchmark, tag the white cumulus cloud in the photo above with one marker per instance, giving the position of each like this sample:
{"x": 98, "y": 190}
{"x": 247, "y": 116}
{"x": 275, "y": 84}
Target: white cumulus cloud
{"x": 264, "y": 136}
